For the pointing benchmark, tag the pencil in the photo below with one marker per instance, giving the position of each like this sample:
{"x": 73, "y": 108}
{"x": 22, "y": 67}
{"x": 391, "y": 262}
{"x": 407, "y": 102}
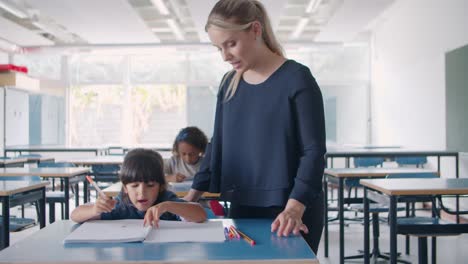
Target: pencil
{"x": 226, "y": 233}
{"x": 103, "y": 195}
{"x": 245, "y": 237}
{"x": 234, "y": 231}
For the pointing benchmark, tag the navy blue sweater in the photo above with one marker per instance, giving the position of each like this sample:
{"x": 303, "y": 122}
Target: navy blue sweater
{"x": 268, "y": 141}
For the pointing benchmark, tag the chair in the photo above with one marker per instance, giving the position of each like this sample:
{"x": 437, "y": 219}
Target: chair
{"x": 106, "y": 172}
{"x": 361, "y": 162}
{"x": 374, "y": 210}
{"x": 22, "y": 223}
{"x": 419, "y": 161}
{"x": 53, "y": 196}
{"x": 415, "y": 221}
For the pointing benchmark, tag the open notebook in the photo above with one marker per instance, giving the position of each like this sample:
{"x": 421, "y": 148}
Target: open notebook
{"x": 132, "y": 230}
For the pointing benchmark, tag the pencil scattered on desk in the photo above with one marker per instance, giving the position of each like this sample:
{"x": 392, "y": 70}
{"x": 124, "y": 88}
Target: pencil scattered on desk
{"x": 234, "y": 232}
{"x": 244, "y": 236}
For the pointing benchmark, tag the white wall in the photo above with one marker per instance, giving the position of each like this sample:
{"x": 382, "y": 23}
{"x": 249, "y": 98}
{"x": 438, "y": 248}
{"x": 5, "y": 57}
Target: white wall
{"x": 408, "y": 79}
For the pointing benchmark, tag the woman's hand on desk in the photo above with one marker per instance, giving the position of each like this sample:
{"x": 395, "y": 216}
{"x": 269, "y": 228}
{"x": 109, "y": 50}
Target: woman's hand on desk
{"x": 290, "y": 220}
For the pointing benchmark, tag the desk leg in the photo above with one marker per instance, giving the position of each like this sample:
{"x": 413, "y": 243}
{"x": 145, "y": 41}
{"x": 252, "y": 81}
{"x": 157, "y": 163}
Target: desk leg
{"x": 85, "y": 191}
{"x": 77, "y": 194}
{"x": 366, "y": 228}
{"x": 341, "y": 217}
{"x": 393, "y": 229}
{"x": 42, "y": 209}
{"x": 457, "y": 202}
{"x": 5, "y": 238}
{"x": 325, "y": 210}
{"x": 67, "y": 197}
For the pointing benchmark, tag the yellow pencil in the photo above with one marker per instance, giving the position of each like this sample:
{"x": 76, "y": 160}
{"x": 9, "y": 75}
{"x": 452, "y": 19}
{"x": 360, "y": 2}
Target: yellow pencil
{"x": 245, "y": 237}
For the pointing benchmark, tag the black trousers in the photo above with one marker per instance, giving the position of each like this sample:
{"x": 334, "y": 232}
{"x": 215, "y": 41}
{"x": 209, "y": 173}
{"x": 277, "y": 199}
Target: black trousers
{"x": 312, "y": 218}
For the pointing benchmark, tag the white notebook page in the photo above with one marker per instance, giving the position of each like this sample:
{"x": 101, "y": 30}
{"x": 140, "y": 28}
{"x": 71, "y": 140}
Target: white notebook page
{"x": 132, "y": 230}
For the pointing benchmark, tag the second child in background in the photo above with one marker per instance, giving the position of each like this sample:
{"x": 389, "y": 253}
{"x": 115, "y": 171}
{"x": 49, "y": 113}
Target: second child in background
{"x": 187, "y": 153}
{"x": 143, "y": 195}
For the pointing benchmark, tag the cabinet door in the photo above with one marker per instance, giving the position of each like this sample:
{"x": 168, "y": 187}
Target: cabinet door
{"x": 49, "y": 120}
{"x": 16, "y": 118}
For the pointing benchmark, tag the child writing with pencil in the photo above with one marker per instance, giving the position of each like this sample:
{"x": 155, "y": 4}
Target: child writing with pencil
{"x": 143, "y": 195}
{"x": 188, "y": 149}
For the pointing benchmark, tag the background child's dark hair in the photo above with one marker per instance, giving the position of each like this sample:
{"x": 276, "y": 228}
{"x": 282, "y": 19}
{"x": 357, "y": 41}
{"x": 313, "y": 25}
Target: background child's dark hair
{"x": 193, "y": 136}
{"x": 142, "y": 165}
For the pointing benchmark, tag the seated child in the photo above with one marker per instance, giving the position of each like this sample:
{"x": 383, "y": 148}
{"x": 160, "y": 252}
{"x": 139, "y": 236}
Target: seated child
{"x": 187, "y": 151}
{"x": 143, "y": 195}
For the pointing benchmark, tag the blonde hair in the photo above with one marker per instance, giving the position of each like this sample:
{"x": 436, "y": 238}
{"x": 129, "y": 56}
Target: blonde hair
{"x": 239, "y": 15}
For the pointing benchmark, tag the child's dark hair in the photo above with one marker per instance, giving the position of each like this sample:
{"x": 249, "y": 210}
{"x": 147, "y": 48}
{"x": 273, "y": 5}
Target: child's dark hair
{"x": 193, "y": 136}
{"x": 143, "y": 165}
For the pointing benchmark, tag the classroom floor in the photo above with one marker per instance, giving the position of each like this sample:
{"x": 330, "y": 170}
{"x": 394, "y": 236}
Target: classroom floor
{"x": 449, "y": 249}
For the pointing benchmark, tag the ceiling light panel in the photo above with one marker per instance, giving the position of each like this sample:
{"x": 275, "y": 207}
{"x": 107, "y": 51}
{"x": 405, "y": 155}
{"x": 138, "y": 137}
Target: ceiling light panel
{"x": 98, "y": 22}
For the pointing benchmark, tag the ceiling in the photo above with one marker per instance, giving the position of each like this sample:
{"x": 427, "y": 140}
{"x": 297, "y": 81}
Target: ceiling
{"x": 32, "y": 23}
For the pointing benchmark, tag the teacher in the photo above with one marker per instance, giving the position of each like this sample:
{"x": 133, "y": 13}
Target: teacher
{"x": 267, "y": 152}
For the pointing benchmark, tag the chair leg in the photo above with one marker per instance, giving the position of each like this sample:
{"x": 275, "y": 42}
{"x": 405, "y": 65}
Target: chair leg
{"x": 407, "y": 238}
{"x": 51, "y": 213}
{"x": 434, "y": 250}
{"x": 375, "y": 254}
{"x": 62, "y": 210}
{"x": 422, "y": 250}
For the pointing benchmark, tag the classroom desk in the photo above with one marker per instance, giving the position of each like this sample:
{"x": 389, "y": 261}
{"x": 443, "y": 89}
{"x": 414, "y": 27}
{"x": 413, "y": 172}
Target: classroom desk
{"x": 344, "y": 173}
{"x": 390, "y": 153}
{"x": 155, "y": 148}
{"x": 69, "y": 175}
{"x": 97, "y": 150}
{"x": 104, "y": 160}
{"x": 389, "y": 190}
{"x": 40, "y": 159}
{"x": 98, "y": 160}
{"x": 115, "y": 188}
{"x": 13, "y": 162}
{"x": 13, "y": 193}
{"x": 46, "y": 246}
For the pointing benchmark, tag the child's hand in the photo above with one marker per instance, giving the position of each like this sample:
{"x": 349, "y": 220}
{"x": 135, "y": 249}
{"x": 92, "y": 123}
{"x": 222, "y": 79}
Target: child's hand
{"x": 103, "y": 205}
{"x": 178, "y": 177}
{"x": 153, "y": 213}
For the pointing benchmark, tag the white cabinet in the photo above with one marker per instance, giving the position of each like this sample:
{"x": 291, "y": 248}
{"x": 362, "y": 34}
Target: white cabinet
{"x": 16, "y": 117}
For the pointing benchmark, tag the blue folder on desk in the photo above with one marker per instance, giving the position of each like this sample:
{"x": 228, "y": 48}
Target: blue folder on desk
{"x": 17, "y": 224}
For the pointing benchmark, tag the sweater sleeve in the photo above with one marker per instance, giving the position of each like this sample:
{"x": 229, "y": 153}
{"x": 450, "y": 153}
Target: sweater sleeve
{"x": 201, "y": 180}
{"x": 307, "y": 105}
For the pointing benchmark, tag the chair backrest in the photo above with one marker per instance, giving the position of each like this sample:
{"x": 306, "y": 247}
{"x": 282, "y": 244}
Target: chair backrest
{"x": 55, "y": 165}
{"x": 415, "y": 160}
{"x": 412, "y": 175}
{"x": 116, "y": 151}
{"x": 368, "y": 162}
